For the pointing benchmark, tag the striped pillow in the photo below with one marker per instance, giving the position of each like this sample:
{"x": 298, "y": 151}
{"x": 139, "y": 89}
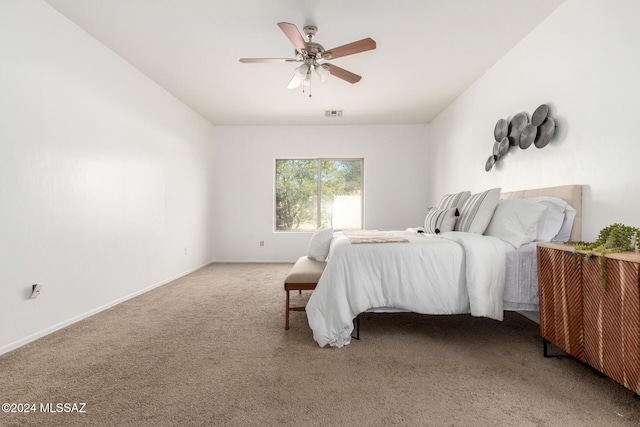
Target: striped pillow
{"x": 477, "y": 211}
{"x": 440, "y": 220}
{"x": 455, "y": 200}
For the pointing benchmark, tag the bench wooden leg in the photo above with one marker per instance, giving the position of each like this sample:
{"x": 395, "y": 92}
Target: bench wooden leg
{"x": 286, "y": 313}
{"x": 288, "y": 287}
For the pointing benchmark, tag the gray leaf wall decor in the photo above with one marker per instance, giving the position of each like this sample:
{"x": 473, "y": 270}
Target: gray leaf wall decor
{"x": 521, "y": 132}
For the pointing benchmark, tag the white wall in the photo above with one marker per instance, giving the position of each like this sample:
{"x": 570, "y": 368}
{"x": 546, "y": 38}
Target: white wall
{"x": 583, "y": 61}
{"x": 395, "y": 176}
{"x": 104, "y": 177}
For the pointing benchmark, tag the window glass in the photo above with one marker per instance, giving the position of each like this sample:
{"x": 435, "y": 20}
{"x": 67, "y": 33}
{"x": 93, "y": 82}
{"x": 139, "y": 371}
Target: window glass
{"x": 318, "y": 193}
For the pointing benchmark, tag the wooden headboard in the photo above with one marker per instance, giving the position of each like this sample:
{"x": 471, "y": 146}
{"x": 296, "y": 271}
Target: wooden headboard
{"x": 572, "y": 194}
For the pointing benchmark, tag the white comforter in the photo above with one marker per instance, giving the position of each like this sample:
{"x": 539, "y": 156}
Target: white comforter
{"x": 452, "y": 273}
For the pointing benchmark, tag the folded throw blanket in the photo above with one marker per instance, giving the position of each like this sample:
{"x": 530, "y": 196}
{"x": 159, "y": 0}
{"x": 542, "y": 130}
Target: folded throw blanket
{"x": 373, "y": 236}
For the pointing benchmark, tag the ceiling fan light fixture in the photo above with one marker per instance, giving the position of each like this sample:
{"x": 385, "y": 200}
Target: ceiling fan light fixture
{"x": 302, "y": 71}
{"x": 322, "y": 71}
{"x": 299, "y": 75}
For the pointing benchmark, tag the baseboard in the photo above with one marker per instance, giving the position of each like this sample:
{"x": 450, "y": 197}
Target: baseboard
{"x": 262, "y": 261}
{"x": 26, "y": 340}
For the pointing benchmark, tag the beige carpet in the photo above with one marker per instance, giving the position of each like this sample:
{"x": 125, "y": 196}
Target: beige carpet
{"x": 210, "y": 349}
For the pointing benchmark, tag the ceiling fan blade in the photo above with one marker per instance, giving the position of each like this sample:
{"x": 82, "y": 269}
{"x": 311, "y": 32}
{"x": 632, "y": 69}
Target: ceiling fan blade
{"x": 343, "y": 74}
{"x": 295, "y": 82}
{"x": 292, "y": 33}
{"x": 254, "y": 60}
{"x": 350, "y": 49}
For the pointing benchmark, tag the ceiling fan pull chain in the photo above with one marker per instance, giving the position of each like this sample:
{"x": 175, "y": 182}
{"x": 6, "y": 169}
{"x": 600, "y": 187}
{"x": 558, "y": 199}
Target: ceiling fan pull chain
{"x": 307, "y": 80}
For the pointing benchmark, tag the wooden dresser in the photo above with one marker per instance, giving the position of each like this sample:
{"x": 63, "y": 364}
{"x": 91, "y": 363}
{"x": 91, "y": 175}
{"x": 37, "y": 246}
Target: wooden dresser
{"x": 601, "y": 329}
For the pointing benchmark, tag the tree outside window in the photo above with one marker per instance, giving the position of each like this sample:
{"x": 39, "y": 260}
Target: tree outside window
{"x": 318, "y": 193}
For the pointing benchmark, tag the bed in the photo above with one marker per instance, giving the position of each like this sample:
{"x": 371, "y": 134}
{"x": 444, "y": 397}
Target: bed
{"x": 475, "y": 255}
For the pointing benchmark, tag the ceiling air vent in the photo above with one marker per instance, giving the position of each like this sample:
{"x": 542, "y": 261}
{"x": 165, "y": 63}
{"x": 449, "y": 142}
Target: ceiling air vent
{"x": 333, "y": 113}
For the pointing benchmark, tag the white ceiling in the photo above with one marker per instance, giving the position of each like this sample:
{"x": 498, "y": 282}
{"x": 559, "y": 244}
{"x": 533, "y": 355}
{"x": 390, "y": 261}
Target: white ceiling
{"x": 428, "y": 52}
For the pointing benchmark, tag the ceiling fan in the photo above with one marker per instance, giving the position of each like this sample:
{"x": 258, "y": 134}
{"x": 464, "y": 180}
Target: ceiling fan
{"x": 313, "y": 56}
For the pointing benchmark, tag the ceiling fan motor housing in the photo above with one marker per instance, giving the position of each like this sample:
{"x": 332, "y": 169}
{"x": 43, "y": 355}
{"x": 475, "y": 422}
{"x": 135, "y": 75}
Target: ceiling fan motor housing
{"x": 310, "y": 31}
{"x": 315, "y": 49}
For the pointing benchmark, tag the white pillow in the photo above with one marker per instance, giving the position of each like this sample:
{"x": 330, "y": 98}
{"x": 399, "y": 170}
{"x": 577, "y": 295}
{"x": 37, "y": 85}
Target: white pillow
{"x": 556, "y": 224}
{"x": 564, "y": 235}
{"x": 551, "y": 221}
{"x": 319, "y": 244}
{"x": 455, "y": 200}
{"x": 515, "y": 221}
{"x": 440, "y": 220}
{"x": 477, "y": 211}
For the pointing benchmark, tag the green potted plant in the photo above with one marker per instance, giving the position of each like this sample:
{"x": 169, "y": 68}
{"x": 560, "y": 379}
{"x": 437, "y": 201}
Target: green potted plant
{"x": 614, "y": 238}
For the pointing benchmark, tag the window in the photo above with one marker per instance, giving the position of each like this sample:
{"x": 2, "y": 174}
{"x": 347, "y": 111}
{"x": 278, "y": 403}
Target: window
{"x": 318, "y": 193}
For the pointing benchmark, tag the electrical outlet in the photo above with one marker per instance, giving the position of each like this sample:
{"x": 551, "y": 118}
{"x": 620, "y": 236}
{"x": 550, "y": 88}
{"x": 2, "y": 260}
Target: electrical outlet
{"x": 261, "y": 242}
{"x": 35, "y": 290}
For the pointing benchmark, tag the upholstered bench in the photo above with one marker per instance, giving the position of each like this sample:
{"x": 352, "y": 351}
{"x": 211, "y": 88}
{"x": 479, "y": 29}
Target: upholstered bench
{"x": 303, "y": 276}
